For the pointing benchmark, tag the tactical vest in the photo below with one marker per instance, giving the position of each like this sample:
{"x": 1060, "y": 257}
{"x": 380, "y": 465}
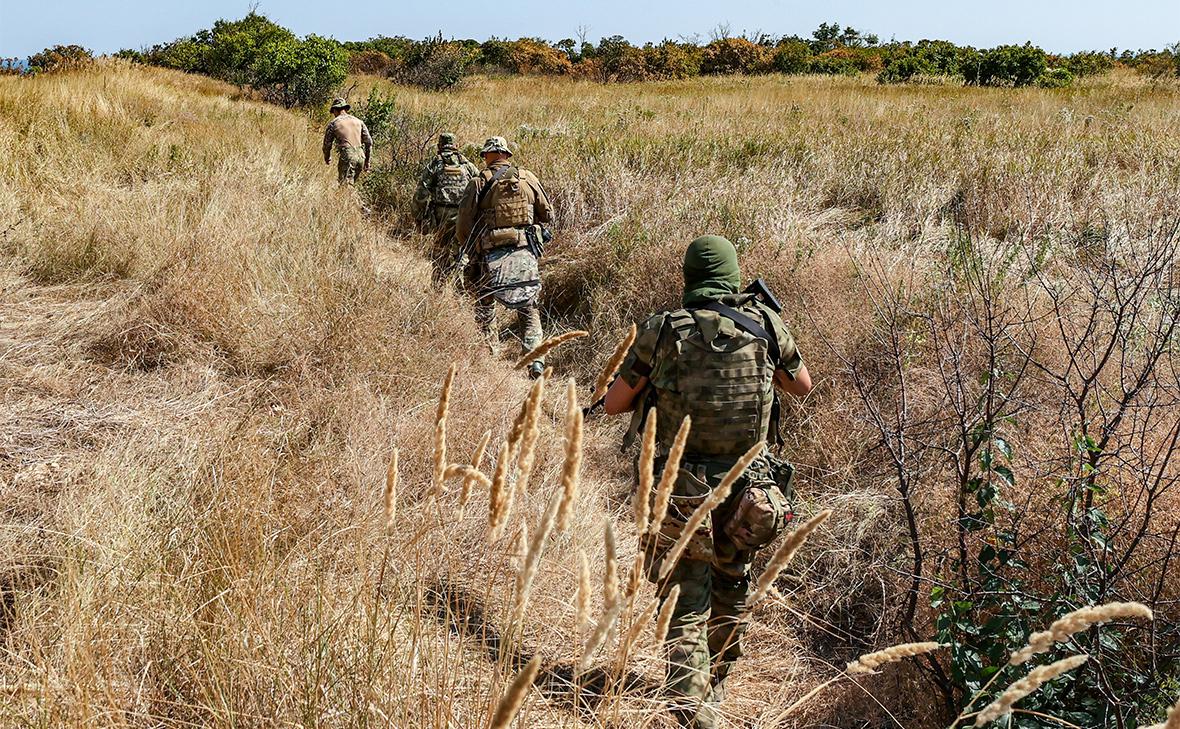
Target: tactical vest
{"x": 726, "y": 386}
{"x": 509, "y": 202}
{"x": 450, "y": 181}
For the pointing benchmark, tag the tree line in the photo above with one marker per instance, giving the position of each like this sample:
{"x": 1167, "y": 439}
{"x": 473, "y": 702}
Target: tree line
{"x": 293, "y": 71}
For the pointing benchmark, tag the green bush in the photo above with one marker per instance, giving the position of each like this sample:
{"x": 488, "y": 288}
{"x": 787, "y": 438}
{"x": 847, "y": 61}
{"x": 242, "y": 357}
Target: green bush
{"x": 60, "y": 58}
{"x": 904, "y": 68}
{"x": 1089, "y": 63}
{"x": 435, "y": 64}
{"x": 791, "y": 57}
{"x": 1055, "y": 78}
{"x": 1009, "y": 66}
{"x": 258, "y": 53}
{"x": 673, "y": 60}
{"x": 835, "y": 63}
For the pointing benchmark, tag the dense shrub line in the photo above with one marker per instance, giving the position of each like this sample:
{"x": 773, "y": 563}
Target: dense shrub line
{"x": 258, "y": 53}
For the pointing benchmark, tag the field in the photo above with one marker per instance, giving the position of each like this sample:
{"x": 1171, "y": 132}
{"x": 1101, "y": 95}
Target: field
{"x": 208, "y": 354}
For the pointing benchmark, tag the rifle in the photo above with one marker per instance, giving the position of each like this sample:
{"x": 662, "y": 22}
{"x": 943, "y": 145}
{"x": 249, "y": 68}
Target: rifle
{"x": 600, "y": 402}
{"x": 759, "y": 288}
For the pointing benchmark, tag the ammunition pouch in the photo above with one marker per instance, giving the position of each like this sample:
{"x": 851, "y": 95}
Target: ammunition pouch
{"x": 691, "y": 488}
{"x": 765, "y": 506}
{"x": 501, "y": 238}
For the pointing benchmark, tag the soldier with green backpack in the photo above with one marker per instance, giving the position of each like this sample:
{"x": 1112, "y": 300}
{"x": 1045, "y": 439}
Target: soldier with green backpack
{"x": 436, "y": 202}
{"x": 720, "y": 359}
{"x": 502, "y": 223}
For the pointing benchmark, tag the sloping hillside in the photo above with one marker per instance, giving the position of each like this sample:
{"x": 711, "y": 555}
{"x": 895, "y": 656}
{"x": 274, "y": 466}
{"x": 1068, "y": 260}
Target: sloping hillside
{"x": 208, "y": 354}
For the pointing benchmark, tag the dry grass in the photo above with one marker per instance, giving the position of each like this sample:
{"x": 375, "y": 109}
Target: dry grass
{"x": 206, "y": 352}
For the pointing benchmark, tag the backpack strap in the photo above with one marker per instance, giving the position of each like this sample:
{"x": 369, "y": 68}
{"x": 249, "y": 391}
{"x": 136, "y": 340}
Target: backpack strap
{"x": 496, "y": 177}
{"x": 748, "y": 325}
{"x": 752, "y": 327}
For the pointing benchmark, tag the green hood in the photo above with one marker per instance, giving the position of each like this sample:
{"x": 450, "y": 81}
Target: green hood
{"x": 710, "y": 270}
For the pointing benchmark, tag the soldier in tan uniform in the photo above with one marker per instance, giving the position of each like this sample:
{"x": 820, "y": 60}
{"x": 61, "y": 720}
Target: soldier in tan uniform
{"x": 719, "y": 359}
{"x": 501, "y": 227}
{"x": 353, "y": 143}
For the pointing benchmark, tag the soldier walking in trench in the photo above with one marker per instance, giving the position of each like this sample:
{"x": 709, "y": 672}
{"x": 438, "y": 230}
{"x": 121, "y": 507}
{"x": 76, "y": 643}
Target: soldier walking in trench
{"x": 436, "y": 203}
{"x": 719, "y": 359}
{"x": 502, "y": 223}
{"x": 353, "y": 144}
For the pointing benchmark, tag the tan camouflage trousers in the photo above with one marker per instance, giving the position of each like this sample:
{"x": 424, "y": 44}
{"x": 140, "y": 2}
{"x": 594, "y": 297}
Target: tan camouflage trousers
{"x": 708, "y": 622}
{"x": 350, "y": 161}
{"x": 444, "y": 252}
{"x": 527, "y": 325}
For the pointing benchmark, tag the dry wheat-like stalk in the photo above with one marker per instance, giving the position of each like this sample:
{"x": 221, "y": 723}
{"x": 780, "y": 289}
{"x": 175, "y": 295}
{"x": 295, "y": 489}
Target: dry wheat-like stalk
{"x": 715, "y": 498}
{"x": 440, "y": 432}
{"x": 1038, "y": 677}
{"x": 612, "y": 365}
{"x": 498, "y": 505}
{"x": 390, "y": 496}
{"x": 1173, "y": 720}
{"x": 784, "y": 554}
{"x": 470, "y": 475}
{"x": 668, "y": 477}
{"x": 606, "y": 625}
{"x": 664, "y": 619}
{"x": 529, "y": 435}
{"x": 610, "y": 573}
{"x": 549, "y": 344}
{"x": 869, "y": 662}
{"x": 514, "y": 696}
{"x": 584, "y": 588}
{"x": 528, "y": 571}
{"x": 471, "y": 478}
{"x": 636, "y": 576}
{"x": 572, "y": 467}
{"x": 637, "y": 626}
{"x": 519, "y": 546}
{"x": 647, "y": 459}
{"x": 1069, "y": 625}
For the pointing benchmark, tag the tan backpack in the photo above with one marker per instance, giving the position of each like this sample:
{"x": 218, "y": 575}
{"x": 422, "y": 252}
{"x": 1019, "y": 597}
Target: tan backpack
{"x": 508, "y": 201}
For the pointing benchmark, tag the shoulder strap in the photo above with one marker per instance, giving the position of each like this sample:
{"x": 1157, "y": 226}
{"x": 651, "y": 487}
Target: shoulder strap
{"x": 496, "y": 177}
{"x": 748, "y": 325}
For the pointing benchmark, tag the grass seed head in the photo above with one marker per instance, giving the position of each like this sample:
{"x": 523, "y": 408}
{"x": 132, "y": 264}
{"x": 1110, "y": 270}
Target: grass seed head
{"x": 668, "y": 477}
{"x": 548, "y": 345}
{"x": 784, "y": 554}
{"x": 1038, "y": 677}
{"x": 440, "y": 432}
{"x": 572, "y": 467}
{"x": 513, "y": 698}
{"x": 612, "y": 365}
{"x": 869, "y": 662}
{"x": 1069, "y": 625}
{"x": 390, "y": 496}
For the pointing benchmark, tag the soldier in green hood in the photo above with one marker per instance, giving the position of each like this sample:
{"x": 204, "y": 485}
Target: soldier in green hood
{"x": 721, "y": 359}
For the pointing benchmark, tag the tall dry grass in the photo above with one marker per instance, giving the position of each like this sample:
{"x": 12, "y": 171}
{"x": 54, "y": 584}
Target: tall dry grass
{"x": 209, "y": 354}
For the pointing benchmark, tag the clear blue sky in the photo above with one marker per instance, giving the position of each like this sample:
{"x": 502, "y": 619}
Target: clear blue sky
{"x": 1057, "y": 25}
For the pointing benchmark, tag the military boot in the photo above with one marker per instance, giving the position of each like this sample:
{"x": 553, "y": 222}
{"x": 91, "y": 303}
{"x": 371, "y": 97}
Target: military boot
{"x": 536, "y": 369}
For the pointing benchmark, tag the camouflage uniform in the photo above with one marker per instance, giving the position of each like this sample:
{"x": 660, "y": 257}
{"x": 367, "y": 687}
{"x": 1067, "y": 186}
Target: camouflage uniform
{"x": 353, "y": 144}
{"x": 700, "y": 363}
{"x": 436, "y": 201}
{"x": 498, "y": 222}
